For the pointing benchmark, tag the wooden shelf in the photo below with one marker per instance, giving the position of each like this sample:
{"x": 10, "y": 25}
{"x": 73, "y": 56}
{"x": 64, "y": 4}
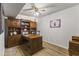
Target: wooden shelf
{"x": 31, "y": 26}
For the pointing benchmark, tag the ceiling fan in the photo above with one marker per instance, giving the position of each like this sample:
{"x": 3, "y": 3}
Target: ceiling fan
{"x": 34, "y": 9}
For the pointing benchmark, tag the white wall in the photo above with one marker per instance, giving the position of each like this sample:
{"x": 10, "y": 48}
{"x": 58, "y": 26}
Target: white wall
{"x": 2, "y": 36}
{"x": 2, "y": 44}
{"x": 60, "y": 36}
{"x": 77, "y": 10}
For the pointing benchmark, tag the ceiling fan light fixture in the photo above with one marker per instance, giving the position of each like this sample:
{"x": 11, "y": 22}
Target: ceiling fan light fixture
{"x": 36, "y": 14}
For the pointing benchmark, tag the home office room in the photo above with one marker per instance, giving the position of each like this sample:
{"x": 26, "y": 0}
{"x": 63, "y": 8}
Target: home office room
{"x": 39, "y": 29}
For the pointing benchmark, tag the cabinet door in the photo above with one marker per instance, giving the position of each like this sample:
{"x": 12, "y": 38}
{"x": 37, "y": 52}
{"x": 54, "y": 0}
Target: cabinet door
{"x": 17, "y": 39}
{"x": 18, "y": 23}
{"x": 10, "y": 42}
{"x": 13, "y": 23}
{"x": 10, "y": 23}
{"x": 13, "y": 40}
{"x": 33, "y": 24}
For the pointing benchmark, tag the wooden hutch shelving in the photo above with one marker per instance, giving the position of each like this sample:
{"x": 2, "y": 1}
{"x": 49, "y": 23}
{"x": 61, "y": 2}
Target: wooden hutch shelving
{"x": 24, "y": 33}
{"x": 13, "y": 32}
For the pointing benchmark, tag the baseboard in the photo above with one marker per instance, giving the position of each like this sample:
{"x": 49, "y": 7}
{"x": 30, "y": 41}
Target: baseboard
{"x": 57, "y": 45}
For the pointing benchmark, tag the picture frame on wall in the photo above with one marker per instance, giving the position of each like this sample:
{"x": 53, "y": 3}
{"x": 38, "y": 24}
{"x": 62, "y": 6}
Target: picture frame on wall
{"x": 55, "y": 23}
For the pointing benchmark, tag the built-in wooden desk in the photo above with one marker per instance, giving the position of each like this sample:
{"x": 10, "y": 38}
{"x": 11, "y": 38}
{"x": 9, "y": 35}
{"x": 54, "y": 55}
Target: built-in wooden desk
{"x": 32, "y": 36}
{"x": 33, "y": 43}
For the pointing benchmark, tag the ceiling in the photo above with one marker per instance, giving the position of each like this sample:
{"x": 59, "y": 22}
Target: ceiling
{"x": 12, "y": 9}
{"x": 22, "y": 9}
{"x": 44, "y": 8}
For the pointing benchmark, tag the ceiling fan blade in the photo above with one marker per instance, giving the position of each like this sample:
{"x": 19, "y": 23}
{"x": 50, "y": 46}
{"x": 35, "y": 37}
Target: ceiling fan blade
{"x": 33, "y": 4}
{"x": 27, "y": 9}
{"x": 34, "y": 7}
{"x": 42, "y": 10}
